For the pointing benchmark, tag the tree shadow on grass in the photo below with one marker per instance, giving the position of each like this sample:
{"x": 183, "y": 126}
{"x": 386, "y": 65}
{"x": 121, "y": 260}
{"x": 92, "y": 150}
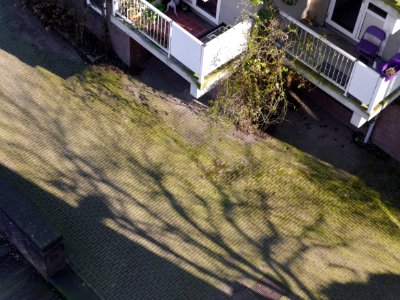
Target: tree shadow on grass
{"x": 105, "y": 228}
{"x": 171, "y": 253}
{"x": 144, "y": 275}
{"x": 332, "y": 142}
{"x": 100, "y": 249}
{"x": 135, "y": 225}
{"x": 373, "y": 196}
{"x": 115, "y": 265}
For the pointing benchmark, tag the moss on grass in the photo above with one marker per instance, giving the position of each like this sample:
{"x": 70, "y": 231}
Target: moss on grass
{"x": 186, "y": 189}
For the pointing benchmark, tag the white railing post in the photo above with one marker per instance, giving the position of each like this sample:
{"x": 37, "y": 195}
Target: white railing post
{"x": 332, "y": 63}
{"x": 346, "y": 91}
{"x": 170, "y": 38}
{"x": 201, "y": 71}
{"x": 226, "y": 46}
{"x": 115, "y": 5}
{"x": 146, "y": 18}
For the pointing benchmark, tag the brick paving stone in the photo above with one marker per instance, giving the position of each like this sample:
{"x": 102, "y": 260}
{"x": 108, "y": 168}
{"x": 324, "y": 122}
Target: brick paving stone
{"x": 156, "y": 202}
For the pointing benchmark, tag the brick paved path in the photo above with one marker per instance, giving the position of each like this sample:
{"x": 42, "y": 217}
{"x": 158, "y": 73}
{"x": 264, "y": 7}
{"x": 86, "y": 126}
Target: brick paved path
{"x": 155, "y": 202}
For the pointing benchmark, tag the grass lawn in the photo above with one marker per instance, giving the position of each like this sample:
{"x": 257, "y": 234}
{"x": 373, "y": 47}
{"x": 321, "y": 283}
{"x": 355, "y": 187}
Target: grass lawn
{"x": 156, "y": 201}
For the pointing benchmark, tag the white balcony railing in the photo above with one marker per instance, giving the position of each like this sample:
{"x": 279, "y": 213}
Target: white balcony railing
{"x": 370, "y": 87}
{"x": 337, "y": 66}
{"x": 200, "y": 57}
{"x": 321, "y": 55}
{"x": 226, "y": 46}
{"x": 147, "y": 19}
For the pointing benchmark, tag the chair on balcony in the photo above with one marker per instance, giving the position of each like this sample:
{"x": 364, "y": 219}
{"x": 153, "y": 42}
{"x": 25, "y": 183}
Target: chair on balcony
{"x": 368, "y": 47}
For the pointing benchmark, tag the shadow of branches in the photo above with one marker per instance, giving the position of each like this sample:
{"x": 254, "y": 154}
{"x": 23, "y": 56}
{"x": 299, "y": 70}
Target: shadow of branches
{"x": 147, "y": 214}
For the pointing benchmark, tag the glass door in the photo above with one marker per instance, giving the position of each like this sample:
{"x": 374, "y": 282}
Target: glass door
{"x": 209, "y": 6}
{"x": 345, "y": 16}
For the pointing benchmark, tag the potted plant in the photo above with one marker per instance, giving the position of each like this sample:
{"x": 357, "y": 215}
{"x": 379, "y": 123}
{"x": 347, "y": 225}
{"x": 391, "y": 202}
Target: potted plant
{"x": 390, "y": 69}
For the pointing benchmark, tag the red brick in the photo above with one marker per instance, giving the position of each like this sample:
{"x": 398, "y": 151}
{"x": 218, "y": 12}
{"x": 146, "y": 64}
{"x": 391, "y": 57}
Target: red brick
{"x": 386, "y": 134}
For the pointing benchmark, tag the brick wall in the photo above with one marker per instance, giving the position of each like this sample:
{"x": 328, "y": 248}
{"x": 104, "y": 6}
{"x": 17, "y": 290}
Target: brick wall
{"x": 121, "y": 44}
{"x": 386, "y": 134}
{"x": 138, "y": 53}
{"x": 127, "y": 49}
{"x": 330, "y": 105}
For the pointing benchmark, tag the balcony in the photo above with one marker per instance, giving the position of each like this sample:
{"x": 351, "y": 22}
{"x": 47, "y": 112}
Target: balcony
{"x": 340, "y": 73}
{"x": 192, "y": 47}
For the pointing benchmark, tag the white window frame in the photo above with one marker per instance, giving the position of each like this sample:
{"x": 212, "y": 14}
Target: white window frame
{"x": 193, "y": 5}
{"x": 360, "y": 19}
{"x": 95, "y": 8}
{"x": 355, "y": 35}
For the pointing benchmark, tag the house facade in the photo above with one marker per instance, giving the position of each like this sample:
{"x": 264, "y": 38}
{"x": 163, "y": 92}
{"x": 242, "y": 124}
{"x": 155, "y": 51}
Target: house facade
{"x": 197, "y": 42}
{"x": 327, "y": 36}
{"x": 200, "y": 41}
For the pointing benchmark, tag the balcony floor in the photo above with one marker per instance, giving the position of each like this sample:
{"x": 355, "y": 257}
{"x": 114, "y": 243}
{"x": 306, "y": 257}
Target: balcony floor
{"x": 193, "y": 23}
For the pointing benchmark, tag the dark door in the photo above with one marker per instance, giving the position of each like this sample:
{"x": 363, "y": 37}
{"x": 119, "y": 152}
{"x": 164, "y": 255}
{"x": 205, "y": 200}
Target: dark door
{"x": 345, "y": 13}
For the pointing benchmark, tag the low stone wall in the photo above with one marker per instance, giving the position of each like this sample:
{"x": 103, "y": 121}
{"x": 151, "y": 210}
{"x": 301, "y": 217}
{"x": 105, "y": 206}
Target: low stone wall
{"x": 33, "y": 236}
{"x": 386, "y": 133}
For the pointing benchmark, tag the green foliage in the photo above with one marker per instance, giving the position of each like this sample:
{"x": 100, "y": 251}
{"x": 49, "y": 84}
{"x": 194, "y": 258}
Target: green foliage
{"x": 51, "y": 13}
{"x": 160, "y": 6}
{"x": 254, "y": 95}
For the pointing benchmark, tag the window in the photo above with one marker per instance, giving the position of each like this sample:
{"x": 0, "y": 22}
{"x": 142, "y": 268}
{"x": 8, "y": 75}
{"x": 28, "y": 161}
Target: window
{"x": 98, "y": 6}
{"x": 210, "y": 6}
{"x": 380, "y": 12}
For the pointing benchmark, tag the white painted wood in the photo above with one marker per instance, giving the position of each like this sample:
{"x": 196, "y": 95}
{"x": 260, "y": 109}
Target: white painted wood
{"x": 357, "y": 120}
{"x": 379, "y": 93}
{"x": 369, "y": 132}
{"x": 96, "y": 9}
{"x": 383, "y": 90}
{"x": 193, "y": 5}
{"x": 157, "y": 52}
{"x": 325, "y": 58}
{"x": 225, "y": 47}
{"x": 320, "y": 37}
{"x": 357, "y": 26}
{"x": 371, "y": 19}
{"x": 196, "y": 92}
{"x": 363, "y": 83}
{"x": 186, "y": 48}
{"x": 394, "y": 85}
{"x": 396, "y": 26}
{"x": 148, "y": 20}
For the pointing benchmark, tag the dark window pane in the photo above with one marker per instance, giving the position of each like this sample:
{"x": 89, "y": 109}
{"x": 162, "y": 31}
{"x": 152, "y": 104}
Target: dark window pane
{"x": 377, "y": 10}
{"x": 210, "y": 6}
{"x": 346, "y": 12}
